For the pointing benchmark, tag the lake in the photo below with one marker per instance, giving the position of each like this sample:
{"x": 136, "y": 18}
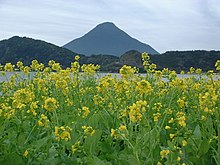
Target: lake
{"x": 99, "y": 75}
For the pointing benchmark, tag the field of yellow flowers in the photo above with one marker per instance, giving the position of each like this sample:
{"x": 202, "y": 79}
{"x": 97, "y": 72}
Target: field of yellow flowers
{"x": 67, "y": 117}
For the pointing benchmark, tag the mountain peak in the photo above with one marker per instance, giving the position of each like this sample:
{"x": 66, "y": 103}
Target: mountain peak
{"x": 106, "y": 24}
{"x": 107, "y": 38}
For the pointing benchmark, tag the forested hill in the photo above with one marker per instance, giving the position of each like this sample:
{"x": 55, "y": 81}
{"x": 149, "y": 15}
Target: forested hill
{"x": 27, "y": 49}
{"x": 174, "y": 60}
{"x": 183, "y": 60}
{"x": 177, "y": 60}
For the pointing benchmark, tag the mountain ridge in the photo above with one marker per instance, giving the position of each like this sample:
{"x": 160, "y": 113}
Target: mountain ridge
{"x": 27, "y": 49}
{"x": 107, "y": 38}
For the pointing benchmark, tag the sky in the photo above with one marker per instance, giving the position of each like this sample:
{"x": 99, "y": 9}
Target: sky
{"x": 164, "y": 24}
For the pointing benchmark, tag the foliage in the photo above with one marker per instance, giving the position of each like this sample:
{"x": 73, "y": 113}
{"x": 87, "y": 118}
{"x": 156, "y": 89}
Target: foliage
{"x": 61, "y": 116}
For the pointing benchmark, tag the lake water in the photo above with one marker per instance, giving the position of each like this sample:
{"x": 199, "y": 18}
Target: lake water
{"x": 99, "y": 75}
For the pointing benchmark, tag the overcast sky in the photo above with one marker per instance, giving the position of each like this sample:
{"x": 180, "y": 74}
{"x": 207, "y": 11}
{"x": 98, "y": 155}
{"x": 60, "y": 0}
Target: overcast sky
{"x": 163, "y": 24}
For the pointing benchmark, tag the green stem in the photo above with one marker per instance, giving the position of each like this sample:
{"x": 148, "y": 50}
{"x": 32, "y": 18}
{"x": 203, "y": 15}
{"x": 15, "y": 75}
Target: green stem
{"x": 134, "y": 151}
{"x": 29, "y": 134}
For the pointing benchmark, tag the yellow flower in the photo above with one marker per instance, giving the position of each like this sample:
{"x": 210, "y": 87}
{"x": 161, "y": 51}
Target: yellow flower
{"x": 40, "y": 123}
{"x": 23, "y": 96}
{"x": 144, "y": 87}
{"x": 113, "y": 133}
{"x": 135, "y": 112}
{"x": 88, "y": 131}
{"x": 158, "y": 163}
{"x": 75, "y": 67}
{"x": 77, "y": 58}
{"x": 165, "y": 71}
{"x": 26, "y": 70}
{"x": 145, "y": 56}
{"x": 217, "y": 65}
{"x": 181, "y": 118}
{"x": 171, "y": 120}
{"x": 25, "y": 153}
{"x": 172, "y": 136}
{"x": 34, "y": 105}
{"x": 56, "y": 67}
{"x": 86, "y": 112}
{"x": 50, "y": 104}
{"x": 203, "y": 117}
{"x": 62, "y": 133}
{"x": 181, "y": 103}
{"x": 167, "y": 127}
{"x": 90, "y": 69}
{"x": 184, "y": 143}
{"x": 35, "y": 65}
{"x": 191, "y": 70}
{"x": 20, "y": 64}
{"x": 156, "y": 116}
{"x": 74, "y": 148}
{"x": 8, "y": 67}
{"x": 65, "y": 135}
{"x": 127, "y": 71}
{"x": 44, "y": 121}
{"x": 163, "y": 153}
{"x": 122, "y": 128}
{"x": 198, "y": 71}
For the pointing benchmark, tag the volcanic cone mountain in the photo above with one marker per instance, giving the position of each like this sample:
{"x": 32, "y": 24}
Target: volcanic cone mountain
{"x": 106, "y": 38}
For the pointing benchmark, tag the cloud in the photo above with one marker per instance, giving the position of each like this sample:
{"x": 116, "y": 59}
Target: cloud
{"x": 165, "y": 25}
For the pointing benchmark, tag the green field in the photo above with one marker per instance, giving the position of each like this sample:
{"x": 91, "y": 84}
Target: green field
{"x": 65, "y": 117}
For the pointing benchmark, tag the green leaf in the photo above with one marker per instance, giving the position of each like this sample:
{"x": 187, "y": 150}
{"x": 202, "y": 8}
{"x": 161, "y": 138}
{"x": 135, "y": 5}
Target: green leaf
{"x": 197, "y": 132}
{"x": 204, "y": 147}
{"x": 96, "y": 161}
{"x": 171, "y": 145}
{"x": 92, "y": 143}
{"x": 41, "y": 142}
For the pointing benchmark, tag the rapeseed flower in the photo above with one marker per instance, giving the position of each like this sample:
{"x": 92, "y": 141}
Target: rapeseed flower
{"x": 184, "y": 143}
{"x": 62, "y": 133}
{"x": 50, "y": 104}
{"x": 122, "y": 128}
{"x": 77, "y": 58}
{"x": 136, "y": 110}
{"x": 86, "y": 112}
{"x": 8, "y": 67}
{"x": 167, "y": 127}
{"x": 114, "y": 133}
{"x": 25, "y": 154}
{"x": 23, "y": 96}
{"x": 88, "y": 131}
{"x": 127, "y": 72}
{"x": 90, "y": 69}
{"x": 164, "y": 153}
{"x": 171, "y": 136}
{"x": 144, "y": 87}
{"x": 217, "y": 65}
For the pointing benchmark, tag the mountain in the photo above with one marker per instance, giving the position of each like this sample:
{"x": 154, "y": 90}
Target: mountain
{"x": 27, "y": 49}
{"x": 131, "y": 58}
{"x": 175, "y": 60}
{"x": 106, "y": 38}
{"x": 183, "y": 60}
